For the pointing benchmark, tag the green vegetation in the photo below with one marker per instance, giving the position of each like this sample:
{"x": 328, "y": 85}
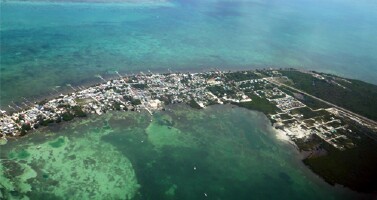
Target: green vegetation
{"x": 117, "y": 106}
{"x": 165, "y": 99}
{"x": 42, "y": 121}
{"x": 115, "y": 89}
{"x": 220, "y": 90}
{"x": 127, "y": 97}
{"x": 20, "y": 117}
{"x": 46, "y": 122}
{"x": 74, "y": 111}
{"x": 63, "y": 106}
{"x": 185, "y": 80}
{"x": 135, "y": 102}
{"x": 140, "y": 86}
{"x": 67, "y": 116}
{"x": 241, "y": 76}
{"x": 353, "y": 167}
{"x": 194, "y": 104}
{"x": 285, "y": 116}
{"x": 24, "y": 128}
{"x": 78, "y": 112}
{"x": 217, "y": 90}
{"x": 259, "y": 104}
{"x": 308, "y": 113}
{"x": 312, "y": 103}
{"x": 309, "y": 144}
{"x": 82, "y": 102}
{"x": 58, "y": 120}
{"x": 359, "y": 97}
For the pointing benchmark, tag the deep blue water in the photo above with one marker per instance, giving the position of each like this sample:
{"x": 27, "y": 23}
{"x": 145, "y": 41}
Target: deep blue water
{"x": 44, "y": 45}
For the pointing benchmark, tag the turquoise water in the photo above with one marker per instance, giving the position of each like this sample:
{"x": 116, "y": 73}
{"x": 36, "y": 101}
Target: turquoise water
{"x": 47, "y": 45}
{"x": 176, "y": 154}
{"x": 184, "y": 153}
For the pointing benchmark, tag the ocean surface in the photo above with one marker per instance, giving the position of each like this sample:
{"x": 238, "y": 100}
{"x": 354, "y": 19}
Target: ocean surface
{"x": 180, "y": 153}
{"x": 45, "y": 46}
{"x": 216, "y": 153}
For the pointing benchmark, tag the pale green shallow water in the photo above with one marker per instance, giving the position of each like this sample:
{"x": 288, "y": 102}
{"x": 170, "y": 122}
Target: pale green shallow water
{"x": 44, "y": 45}
{"x": 225, "y": 152}
{"x": 124, "y": 155}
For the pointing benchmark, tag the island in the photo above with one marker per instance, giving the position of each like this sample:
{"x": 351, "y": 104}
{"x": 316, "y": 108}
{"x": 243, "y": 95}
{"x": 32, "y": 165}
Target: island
{"x": 329, "y": 119}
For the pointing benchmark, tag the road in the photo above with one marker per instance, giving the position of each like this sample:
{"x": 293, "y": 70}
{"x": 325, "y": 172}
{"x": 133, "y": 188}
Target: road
{"x": 350, "y": 113}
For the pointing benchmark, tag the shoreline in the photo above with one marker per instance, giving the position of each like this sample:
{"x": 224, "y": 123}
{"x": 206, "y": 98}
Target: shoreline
{"x": 127, "y": 73}
{"x": 297, "y": 156}
{"x": 257, "y": 90}
{"x": 294, "y": 159}
{"x": 161, "y": 70}
{"x": 282, "y": 136}
{"x": 69, "y": 89}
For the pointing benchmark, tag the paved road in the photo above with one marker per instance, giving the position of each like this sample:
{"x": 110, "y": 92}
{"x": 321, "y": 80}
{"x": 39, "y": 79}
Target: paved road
{"x": 352, "y": 114}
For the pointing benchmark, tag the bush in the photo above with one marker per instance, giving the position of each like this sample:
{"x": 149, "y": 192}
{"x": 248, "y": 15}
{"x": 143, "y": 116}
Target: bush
{"x": 135, "y": 102}
{"x": 67, "y": 116}
{"x": 78, "y": 112}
